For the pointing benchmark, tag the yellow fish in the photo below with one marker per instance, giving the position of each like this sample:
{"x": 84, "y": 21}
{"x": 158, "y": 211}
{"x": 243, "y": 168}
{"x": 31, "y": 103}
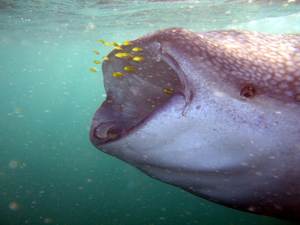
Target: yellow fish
{"x": 137, "y": 49}
{"x": 96, "y": 52}
{"x": 118, "y": 48}
{"x": 108, "y": 44}
{"x": 168, "y": 91}
{"x": 122, "y": 54}
{"x": 97, "y": 62}
{"x": 117, "y": 74}
{"x": 127, "y": 43}
{"x": 101, "y": 41}
{"x": 129, "y": 68}
{"x": 138, "y": 58}
{"x": 105, "y": 58}
{"x": 93, "y": 69}
{"x": 115, "y": 44}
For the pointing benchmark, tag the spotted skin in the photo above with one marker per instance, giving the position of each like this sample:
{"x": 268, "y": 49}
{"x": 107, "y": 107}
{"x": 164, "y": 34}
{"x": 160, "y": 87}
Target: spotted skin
{"x": 269, "y": 62}
{"x": 214, "y": 113}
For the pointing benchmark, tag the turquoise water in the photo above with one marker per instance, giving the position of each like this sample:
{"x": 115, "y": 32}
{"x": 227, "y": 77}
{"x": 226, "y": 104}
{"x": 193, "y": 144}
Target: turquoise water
{"x": 49, "y": 171}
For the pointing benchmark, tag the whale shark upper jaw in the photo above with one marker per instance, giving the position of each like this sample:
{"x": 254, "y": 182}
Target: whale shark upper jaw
{"x": 134, "y": 95}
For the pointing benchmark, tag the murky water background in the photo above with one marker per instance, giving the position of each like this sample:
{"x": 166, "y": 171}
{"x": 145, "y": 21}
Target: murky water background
{"x": 49, "y": 172}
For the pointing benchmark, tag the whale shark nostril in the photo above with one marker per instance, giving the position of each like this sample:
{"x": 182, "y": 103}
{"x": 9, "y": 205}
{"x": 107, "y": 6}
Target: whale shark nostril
{"x": 106, "y": 132}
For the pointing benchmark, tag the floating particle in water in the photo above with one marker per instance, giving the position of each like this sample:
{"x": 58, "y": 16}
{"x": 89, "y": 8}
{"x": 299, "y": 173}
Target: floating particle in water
{"x": 89, "y": 180}
{"x": 13, "y": 164}
{"x": 96, "y": 52}
{"x": 47, "y": 220}
{"x": 14, "y": 206}
{"x": 22, "y": 165}
{"x": 80, "y": 188}
{"x": 18, "y": 110}
{"x": 90, "y": 26}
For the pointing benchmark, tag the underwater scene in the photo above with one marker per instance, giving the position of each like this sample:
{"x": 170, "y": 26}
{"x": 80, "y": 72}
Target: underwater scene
{"x": 51, "y": 56}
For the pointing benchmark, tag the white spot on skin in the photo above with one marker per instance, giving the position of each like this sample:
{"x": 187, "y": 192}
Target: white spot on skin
{"x": 219, "y": 94}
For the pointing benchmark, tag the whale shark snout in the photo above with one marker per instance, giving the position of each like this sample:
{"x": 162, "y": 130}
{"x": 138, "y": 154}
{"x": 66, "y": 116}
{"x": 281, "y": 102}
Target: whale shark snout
{"x": 214, "y": 113}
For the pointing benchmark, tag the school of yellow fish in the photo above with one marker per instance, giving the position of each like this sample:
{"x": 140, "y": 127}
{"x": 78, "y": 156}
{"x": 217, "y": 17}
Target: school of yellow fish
{"x": 134, "y": 55}
{"x": 120, "y": 54}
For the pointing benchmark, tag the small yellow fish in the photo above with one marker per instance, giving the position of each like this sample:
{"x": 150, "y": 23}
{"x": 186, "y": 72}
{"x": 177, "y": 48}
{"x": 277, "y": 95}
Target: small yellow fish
{"x": 101, "y": 41}
{"x": 109, "y": 44}
{"x": 96, "y": 52}
{"x": 138, "y": 58}
{"x": 105, "y": 58}
{"x": 93, "y": 69}
{"x": 122, "y": 54}
{"x": 129, "y": 68}
{"x": 115, "y": 44}
{"x": 118, "y": 48}
{"x": 97, "y": 62}
{"x": 168, "y": 91}
{"x": 137, "y": 49}
{"x": 117, "y": 74}
{"x": 127, "y": 43}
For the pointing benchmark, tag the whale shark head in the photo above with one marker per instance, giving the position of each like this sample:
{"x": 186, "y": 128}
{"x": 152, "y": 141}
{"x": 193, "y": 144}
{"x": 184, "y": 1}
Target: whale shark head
{"x": 214, "y": 113}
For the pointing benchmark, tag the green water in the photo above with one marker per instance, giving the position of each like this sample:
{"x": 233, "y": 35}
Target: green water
{"x": 49, "y": 171}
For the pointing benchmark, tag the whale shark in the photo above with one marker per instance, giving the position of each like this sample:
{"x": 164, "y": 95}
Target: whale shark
{"x": 215, "y": 113}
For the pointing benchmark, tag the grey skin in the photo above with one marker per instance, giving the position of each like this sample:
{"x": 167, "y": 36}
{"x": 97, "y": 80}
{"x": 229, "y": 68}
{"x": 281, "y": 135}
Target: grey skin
{"x": 215, "y": 113}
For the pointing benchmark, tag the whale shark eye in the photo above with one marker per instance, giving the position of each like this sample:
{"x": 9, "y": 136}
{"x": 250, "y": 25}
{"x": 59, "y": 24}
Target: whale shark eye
{"x": 248, "y": 91}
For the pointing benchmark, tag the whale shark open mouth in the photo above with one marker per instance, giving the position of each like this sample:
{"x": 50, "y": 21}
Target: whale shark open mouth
{"x": 138, "y": 79}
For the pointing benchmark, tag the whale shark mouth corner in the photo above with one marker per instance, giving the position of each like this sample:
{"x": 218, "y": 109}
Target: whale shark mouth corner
{"x": 136, "y": 84}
